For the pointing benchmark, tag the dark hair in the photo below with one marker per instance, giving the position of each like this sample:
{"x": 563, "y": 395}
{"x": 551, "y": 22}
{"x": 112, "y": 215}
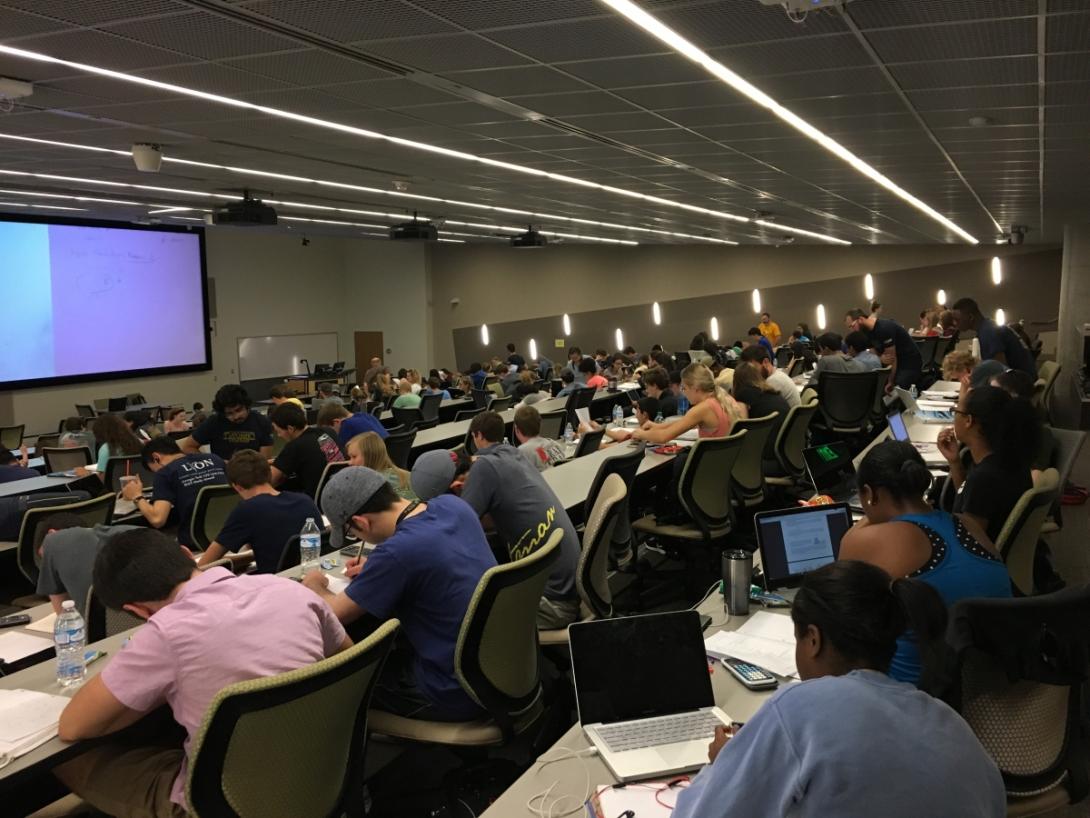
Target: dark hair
{"x": 1016, "y": 383}
{"x": 649, "y": 406}
{"x": 401, "y": 373}
{"x": 1010, "y": 426}
{"x": 754, "y": 331}
{"x": 74, "y": 424}
{"x": 434, "y": 382}
{"x": 855, "y": 315}
{"x": 281, "y": 392}
{"x": 7, "y": 457}
{"x": 698, "y": 341}
{"x": 805, "y": 328}
{"x": 796, "y": 334}
{"x": 629, "y": 350}
{"x": 662, "y": 359}
{"x": 966, "y": 305}
{"x": 489, "y": 425}
{"x": 858, "y": 341}
{"x": 510, "y": 347}
{"x": 711, "y": 348}
{"x": 588, "y": 366}
{"x": 675, "y": 376}
{"x": 175, "y": 411}
{"x": 656, "y": 377}
{"x": 747, "y": 376}
{"x": 567, "y": 376}
{"x": 289, "y": 416}
{"x": 875, "y": 305}
{"x": 248, "y": 468}
{"x": 113, "y": 432}
{"x": 895, "y": 466}
{"x": 524, "y": 389}
{"x": 656, "y": 348}
{"x": 755, "y": 353}
{"x": 197, "y": 406}
{"x": 766, "y": 314}
{"x": 142, "y": 565}
{"x": 829, "y": 340}
{"x": 574, "y": 351}
{"x": 137, "y": 417}
{"x": 383, "y": 499}
{"x": 528, "y": 421}
{"x": 229, "y": 395}
{"x": 164, "y": 444}
{"x": 474, "y": 367}
{"x": 325, "y": 388}
{"x": 56, "y": 522}
{"x": 862, "y": 613}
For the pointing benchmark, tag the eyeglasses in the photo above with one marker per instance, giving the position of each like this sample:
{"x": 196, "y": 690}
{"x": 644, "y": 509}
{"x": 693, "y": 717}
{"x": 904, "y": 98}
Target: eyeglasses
{"x": 957, "y": 411}
{"x": 347, "y": 528}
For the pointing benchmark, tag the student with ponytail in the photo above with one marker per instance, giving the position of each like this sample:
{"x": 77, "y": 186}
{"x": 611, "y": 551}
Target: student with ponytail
{"x": 713, "y": 411}
{"x": 905, "y": 537}
{"x": 1001, "y": 434}
{"x": 848, "y": 740}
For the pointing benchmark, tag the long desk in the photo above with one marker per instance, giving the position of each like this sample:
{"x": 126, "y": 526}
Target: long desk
{"x": 33, "y": 485}
{"x": 571, "y": 481}
{"x": 448, "y": 408}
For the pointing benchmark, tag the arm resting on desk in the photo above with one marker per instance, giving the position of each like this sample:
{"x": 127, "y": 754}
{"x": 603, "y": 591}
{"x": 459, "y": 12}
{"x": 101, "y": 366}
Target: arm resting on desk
{"x": 94, "y": 711}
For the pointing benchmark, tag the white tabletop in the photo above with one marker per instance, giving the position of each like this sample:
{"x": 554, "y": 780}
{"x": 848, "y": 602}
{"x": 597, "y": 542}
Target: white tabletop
{"x": 34, "y": 484}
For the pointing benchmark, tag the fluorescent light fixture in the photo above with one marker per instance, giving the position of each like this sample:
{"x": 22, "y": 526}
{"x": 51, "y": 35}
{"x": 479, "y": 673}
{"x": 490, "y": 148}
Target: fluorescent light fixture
{"x": 566, "y": 321}
{"x": 868, "y": 286}
{"x": 41, "y": 206}
{"x": 756, "y": 301}
{"x": 997, "y": 271}
{"x": 714, "y": 328}
{"x": 618, "y": 336}
{"x": 453, "y": 241}
{"x": 394, "y": 140}
{"x": 667, "y": 35}
{"x": 820, "y": 317}
{"x": 484, "y": 334}
{"x": 940, "y": 298}
{"x": 1000, "y": 317}
{"x": 533, "y": 350}
{"x": 656, "y": 313}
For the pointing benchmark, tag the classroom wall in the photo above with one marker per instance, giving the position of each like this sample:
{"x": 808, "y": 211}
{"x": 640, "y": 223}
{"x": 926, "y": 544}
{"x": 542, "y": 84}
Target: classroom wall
{"x": 268, "y": 283}
{"x": 521, "y": 294}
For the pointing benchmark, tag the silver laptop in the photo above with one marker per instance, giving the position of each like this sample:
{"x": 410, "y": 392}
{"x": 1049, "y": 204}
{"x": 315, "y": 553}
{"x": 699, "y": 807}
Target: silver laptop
{"x": 644, "y": 692}
{"x": 929, "y": 451}
{"x": 795, "y": 541}
{"x": 923, "y": 415}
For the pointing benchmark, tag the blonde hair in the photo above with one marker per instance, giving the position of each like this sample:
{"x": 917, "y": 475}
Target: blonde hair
{"x": 373, "y": 451}
{"x": 957, "y": 362}
{"x": 699, "y": 377}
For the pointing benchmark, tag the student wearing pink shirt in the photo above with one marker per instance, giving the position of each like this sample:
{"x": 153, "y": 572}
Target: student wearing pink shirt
{"x": 204, "y": 632}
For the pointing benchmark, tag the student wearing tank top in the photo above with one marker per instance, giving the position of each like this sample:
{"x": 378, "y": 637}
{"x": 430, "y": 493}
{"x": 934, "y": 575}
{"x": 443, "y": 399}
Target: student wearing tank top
{"x": 904, "y": 536}
{"x": 712, "y": 411}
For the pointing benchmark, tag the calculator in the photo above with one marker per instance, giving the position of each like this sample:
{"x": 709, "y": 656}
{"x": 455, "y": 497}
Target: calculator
{"x": 753, "y": 677}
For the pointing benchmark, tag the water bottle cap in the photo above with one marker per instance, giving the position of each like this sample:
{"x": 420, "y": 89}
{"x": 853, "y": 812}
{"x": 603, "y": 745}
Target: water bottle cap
{"x": 68, "y": 605}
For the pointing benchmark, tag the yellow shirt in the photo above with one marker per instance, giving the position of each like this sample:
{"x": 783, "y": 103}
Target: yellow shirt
{"x": 771, "y": 331}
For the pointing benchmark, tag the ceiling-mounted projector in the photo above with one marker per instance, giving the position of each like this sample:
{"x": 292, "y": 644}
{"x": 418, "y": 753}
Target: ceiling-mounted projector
{"x": 531, "y": 238}
{"x": 246, "y": 212}
{"x": 796, "y": 6}
{"x": 414, "y": 231}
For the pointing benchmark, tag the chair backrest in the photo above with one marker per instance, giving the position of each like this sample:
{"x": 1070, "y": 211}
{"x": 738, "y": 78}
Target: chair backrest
{"x": 327, "y": 475}
{"x": 1020, "y": 668}
{"x": 495, "y": 387}
{"x": 429, "y": 406}
{"x": 53, "y": 441}
{"x": 85, "y": 410}
{"x": 421, "y": 425}
{"x": 783, "y": 356}
{"x": 482, "y": 397}
{"x": 289, "y": 557}
{"x": 552, "y": 424}
{"x": 1017, "y": 541}
{"x": 11, "y": 437}
{"x": 501, "y": 404}
{"x": 102, "y": 621}
{"x": 878, "y": 408}
{"x": 496, "y": 659}
{"x": 290, "y": 744}
{"x": 94, "y": 511}
{"x": 748, "y": 472}
{"x": 406, "y": 417}
{"x": 377, "y": 409}
{"x": 625, "y": 465}
{"x": 466, "y": 414}
{"x": 592, "y": 575}
{"x": 117, "y": 404}
{"x": 927, "y": 347}
{"x": 399, "y": 446}
{"x": 63, "y": 459}
{"x": 791, "y": 439}
{"x": 1048, "y": 372}
{"x": 798, "y": 366}
{"x": 846, "y": 399}
{"x": 101, "y": 404}
{"x": 1068, "y": 445}
{"x": 704, "y": 489}
{"x": 589, "y": 442}
{"x": 214, "y": 504}
{"x": 118, "y": 467}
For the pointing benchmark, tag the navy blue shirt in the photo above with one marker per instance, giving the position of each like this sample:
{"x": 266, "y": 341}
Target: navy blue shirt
{"x": 995, "y": 339}
{"x": 265, "y": 523}
{"x": 225, "y": 438}
{"x": 425, "y": 575}
{"x": 358, "y": 424}
{"x": 888, "y": 333}
{"x": 180, "y": 481}
{"x": 9, "y": 474}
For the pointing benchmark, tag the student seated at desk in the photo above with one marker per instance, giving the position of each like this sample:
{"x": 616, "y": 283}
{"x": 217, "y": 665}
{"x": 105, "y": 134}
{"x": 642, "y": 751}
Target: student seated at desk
{"x": 528, "y": 395}
{"x": 570, "y": 384}
{"x": 307, "y": 452}
{"x": 199, "y": 415}
{"x": 958, "y": 366}
{"x": 264, "y": 520}
{"x": 367, "y": 449}
{"x": 646, "y": 411}
{"x": 849, "y": 741}
{"x": 591, "y": 379}
{"x": 263, "y": 625}
{"x": 859, "y": 348}
{"x": 75, "y": 434}
{"x": 284, "y": 394}
{"x": 324, "y": 397}
{"x": 755, "y": 337}
{"x": 179, "y": 478}
{"x": 831, "y": 358}
{"x": 67, "y": 549}
{"x": 776, "y": 378}
{"x": 424, "y": 570}
{"x": 176, "y": 421}
{"x": 347, "y": 426}
{"x": 541, "y": 452}
{"x": 656, "y": 384}
{"x": 761, "y": 399}
{"x": 139, "y": 422}
{"x": 233, "y": 426}
{"x": 905, "y": 537}
{"x": 118, "y": 440}
{"x": 434, "y": 387}
{"x": 712, "y": 411}
{"x": 405, "y": 397}
{"x": 14, "y": 467}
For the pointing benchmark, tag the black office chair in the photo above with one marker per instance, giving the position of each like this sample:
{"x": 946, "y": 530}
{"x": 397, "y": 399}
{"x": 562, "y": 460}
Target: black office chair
{"x": 399, "y": 447}
{"x": 783, "y": 356}
{"x": 552, "y": 424}
{"x": 63, "y": 459}
{"x": 878, "y": 410}
{"x": 589, "y": 442}
{"x": 482, "y": 397}
{"x": 501, "y": 404}
{"x": 429, "y": 407}
{"x": 466, "y": 414}
{"x": 846, "y": 400}
{"x": 455, "y": 393}
{"x": 406, "y": 417}
{"x": 377, "y": 408}
{"x": 85, "y": 410}
{"x": 117, "y": 404}
{"x": 682, "y": 359}
{"x": 421, "y": 425}
{"x": 579, "y": 399}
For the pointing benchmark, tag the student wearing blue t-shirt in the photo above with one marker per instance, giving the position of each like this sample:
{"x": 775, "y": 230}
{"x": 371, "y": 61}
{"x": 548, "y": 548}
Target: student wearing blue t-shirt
{"x": 755, "y": 337}
{"x": 905, "y": 537}
{"x": 428, "y": 560}
{"x": 265, "y": 519}
{"x": 348, "y": 425}
{"x": 849, "y": 741}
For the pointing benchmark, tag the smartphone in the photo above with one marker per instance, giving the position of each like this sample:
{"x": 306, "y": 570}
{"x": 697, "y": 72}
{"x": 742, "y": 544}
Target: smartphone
{"x": 753, "y": 677}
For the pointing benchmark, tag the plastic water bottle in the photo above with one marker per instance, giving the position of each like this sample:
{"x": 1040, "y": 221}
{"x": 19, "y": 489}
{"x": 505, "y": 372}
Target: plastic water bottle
{"x": 569, "y": 435}
{"x": 658, "y": 417}
{"x": 618, "y": 415}
{"x": 70, "y": 640}
{"x": 914, "y": 392}
{"x": 310, "y": 545}
{"x": 682, "y": 404}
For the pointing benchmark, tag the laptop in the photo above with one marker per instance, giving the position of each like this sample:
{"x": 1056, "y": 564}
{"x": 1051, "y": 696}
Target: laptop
{"x": 923, "y": 415}
{"x": 644, "y": 693}
{"x": 795, "y": 541}
{"x": 832, "y": 472}
{"x": 322, "y": 371}
{"x": 929, "y": 451}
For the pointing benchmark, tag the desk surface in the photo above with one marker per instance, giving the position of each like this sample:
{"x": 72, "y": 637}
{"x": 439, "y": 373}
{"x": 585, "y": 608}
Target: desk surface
{"x": 34, "y": 484}
{"x": 447, "y": 403}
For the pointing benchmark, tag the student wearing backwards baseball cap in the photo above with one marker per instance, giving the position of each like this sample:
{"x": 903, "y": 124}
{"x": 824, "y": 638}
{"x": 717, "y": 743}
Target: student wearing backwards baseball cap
{"x": 428, "y": 559}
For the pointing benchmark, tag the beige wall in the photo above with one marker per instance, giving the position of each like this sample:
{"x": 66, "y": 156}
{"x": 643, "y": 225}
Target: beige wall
{"x": 509, "y": 288}
{"x": 269, "y": 284}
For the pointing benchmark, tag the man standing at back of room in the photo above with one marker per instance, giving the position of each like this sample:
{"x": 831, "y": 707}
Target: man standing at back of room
{"x": 776, "y": 378}
{"x": 373, "y": 369}
{"x": 232, "y": 428}
{"x": 769, "y": 329}
{"x": 996, "y": 343}
{"x": 895, "y": 346}
{"x": 503, "y": 485}
{"x": 514, "y": 359}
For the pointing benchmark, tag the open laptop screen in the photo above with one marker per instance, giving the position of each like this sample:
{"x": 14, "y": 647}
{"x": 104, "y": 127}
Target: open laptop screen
{"x": 897, "y": 426}
{"x": 637, "y": 667}
{"x": 797, "y": 540}
{"x": 830, "y": 465}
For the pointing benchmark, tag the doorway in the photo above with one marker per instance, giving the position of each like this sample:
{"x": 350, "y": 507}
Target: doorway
{"x": 368, "y": 345}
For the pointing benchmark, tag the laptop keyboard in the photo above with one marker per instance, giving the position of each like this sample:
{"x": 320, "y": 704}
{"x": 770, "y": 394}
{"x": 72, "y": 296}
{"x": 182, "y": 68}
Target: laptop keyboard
{"x": 655, "y": 732}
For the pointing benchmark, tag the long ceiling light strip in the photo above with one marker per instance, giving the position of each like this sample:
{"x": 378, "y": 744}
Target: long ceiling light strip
{"x": 41, "y": 206}
{"x": 395, "y": 193}
{"x": 667, "y": 35}
{"x": 395, "y": 140}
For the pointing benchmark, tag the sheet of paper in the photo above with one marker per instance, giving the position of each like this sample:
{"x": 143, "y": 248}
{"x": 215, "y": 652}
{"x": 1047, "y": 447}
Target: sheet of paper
{"x": 767, "y": 653}
{"x": 338, "y": 584}
{"x": 26, "y": 712}
{"x": 43, "y": 625}
{"x": 583, "y": 414}
{"x": 937, "y": 405}
{"x": 636, "y": 799}
{"x": 770, "y": 626}
{"x": 16, "y": 646}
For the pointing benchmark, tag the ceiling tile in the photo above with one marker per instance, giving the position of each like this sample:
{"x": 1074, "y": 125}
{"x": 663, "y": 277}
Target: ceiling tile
{"x": 204, "y": 35}
{"x": 341, "y": 20}
{"x": 440, "y": 54}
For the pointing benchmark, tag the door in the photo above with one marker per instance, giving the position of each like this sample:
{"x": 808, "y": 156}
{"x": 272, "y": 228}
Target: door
{"x": 368, "y": 346}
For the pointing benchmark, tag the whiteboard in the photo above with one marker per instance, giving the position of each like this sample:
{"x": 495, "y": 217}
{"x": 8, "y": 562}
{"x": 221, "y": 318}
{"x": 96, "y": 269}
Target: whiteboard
{"x": 274, "y": 356}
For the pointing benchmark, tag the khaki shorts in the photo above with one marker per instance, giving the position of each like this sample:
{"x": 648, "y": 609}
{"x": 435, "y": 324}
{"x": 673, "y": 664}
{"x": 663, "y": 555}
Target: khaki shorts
{"x": 126, "y": 781}
{"x": 553, "y": 614}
